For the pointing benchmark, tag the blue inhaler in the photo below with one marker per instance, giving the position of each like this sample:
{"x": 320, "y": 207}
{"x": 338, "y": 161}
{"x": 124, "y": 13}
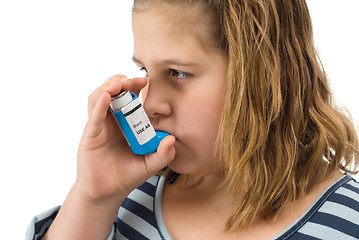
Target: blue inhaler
{"x": 135, "y": 125}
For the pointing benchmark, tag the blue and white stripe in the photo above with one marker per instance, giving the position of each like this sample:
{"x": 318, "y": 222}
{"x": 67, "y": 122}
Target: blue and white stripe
{"x": 335, "y": 215}
{"x": 136, "y": 218}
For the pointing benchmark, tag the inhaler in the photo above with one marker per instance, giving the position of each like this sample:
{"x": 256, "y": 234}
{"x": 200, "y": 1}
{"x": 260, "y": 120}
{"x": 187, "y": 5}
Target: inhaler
{"x": 135, "y": 124}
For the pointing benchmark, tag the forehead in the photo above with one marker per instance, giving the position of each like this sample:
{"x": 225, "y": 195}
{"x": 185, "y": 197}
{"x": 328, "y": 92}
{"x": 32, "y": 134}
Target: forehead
{"x": 164, "y": 33}
{"x": 180, "y": 21}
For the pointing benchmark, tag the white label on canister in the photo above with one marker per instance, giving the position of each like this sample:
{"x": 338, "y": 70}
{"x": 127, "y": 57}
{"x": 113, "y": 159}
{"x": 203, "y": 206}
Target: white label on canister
{"x": 138, "y": 121}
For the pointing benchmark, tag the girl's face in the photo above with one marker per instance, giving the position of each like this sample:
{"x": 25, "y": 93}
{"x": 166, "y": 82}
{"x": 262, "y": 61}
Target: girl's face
{"x": 186, "y": 86}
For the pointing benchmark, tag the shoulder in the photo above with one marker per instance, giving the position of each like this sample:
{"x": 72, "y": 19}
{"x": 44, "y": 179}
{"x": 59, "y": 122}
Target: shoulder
{"x": 335, "y": 215}
{"x": 340, "y": 203}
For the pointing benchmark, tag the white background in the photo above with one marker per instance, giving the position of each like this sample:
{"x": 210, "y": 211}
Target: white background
{"x": 53, "y": 54}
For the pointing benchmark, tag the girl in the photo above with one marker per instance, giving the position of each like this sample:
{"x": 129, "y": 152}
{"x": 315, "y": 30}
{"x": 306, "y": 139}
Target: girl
{"x": 257, "y": 149}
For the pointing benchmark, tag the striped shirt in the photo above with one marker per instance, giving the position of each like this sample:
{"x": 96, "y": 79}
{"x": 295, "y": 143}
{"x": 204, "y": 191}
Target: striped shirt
{"x": 334, "y": 215}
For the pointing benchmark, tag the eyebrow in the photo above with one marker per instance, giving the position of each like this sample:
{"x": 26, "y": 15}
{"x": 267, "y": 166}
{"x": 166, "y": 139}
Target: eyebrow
{"x": 174, "y": 62}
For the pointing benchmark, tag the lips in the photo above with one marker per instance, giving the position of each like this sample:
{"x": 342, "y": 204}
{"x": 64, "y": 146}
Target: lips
{"x": 162, "y": 130}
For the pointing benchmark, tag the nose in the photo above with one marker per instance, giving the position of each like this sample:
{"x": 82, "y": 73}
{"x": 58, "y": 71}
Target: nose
{"x": 156, "y": 101}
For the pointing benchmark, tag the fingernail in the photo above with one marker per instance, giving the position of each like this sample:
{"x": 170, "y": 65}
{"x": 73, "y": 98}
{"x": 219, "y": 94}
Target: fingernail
{"x": 171, "y": 145}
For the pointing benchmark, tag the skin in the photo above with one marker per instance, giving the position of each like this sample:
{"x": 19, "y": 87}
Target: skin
{"x": 107, "y": 170}
{"x": 190, "y": 110}
{"x": 183, "y": 95}
{"x": 187, "y": 104}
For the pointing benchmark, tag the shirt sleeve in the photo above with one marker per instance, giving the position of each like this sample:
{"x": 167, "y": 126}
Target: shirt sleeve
{"x": 42, "y": 222}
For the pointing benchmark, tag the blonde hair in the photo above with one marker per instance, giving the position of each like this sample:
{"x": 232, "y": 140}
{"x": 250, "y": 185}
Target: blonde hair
{"x": 286, "y": 132}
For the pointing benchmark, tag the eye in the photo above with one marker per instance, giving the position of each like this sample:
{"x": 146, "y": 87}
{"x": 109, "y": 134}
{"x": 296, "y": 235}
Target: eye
{"x": 177, "y": 75}
{"x": 143, "y": 69}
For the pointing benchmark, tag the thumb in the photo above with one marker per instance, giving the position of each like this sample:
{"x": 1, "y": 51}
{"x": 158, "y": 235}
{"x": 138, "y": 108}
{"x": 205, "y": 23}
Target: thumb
{"x": 162, "y": 157}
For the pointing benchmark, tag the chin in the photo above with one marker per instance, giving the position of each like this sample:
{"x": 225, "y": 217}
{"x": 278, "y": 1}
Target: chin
{"x": 185, "y": 167}
{"x": 179, "y": 168}
{"x": 182, "y": 166}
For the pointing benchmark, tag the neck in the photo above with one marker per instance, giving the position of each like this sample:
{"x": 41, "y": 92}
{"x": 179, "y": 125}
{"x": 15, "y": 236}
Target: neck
{"x": 205, "y": 185}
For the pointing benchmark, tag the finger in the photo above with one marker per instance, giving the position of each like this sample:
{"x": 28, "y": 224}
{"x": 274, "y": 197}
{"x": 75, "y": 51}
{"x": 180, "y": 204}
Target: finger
{"x": 98, "y": 115}
{"x": 135, "y": 85}
{"x": 119, "y": 82}
{"x": 144, "y": 91}
{"x": 164, "y": 155}
{"x": 114, "y": 78}
{"x": 113, "y": 85}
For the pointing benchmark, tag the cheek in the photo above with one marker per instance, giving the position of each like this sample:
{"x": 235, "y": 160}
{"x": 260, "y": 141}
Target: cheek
{"x": 199, "y": 118}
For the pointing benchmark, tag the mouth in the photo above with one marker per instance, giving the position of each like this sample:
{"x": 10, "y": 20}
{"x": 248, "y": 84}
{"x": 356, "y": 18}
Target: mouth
{"x": 161, "y": 130}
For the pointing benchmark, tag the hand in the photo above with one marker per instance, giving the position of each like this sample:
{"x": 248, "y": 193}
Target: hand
{"x": 106, "y": 165}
